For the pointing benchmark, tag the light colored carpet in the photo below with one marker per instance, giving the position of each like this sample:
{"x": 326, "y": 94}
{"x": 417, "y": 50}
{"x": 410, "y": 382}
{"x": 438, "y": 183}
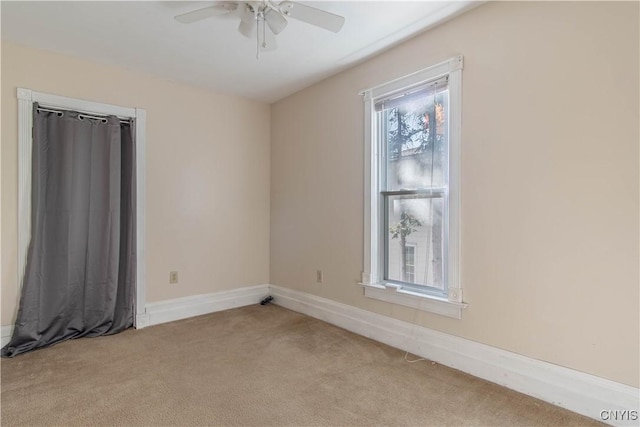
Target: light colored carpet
{"x": 252, "y": 366}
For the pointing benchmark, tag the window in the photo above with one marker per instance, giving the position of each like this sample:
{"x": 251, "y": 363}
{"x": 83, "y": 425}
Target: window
{"x": 413, "y": 139}
{"x": 412, "y": 207}
{"x": 409, "y": 264}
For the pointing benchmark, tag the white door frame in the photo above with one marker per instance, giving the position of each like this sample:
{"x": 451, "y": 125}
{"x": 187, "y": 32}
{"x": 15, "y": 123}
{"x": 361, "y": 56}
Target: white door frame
{"x": 26, "y": 98}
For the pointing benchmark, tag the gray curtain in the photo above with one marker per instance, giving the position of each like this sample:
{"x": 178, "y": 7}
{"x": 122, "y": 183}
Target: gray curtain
{"x": 80, "y": 272}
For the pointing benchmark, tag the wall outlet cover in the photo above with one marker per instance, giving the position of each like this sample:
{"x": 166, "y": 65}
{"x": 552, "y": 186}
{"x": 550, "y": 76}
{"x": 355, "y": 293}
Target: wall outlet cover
{"x": 173, "y": 277}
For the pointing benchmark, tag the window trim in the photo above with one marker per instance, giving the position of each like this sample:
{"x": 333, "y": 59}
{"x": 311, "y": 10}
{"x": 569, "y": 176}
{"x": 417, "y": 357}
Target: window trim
{"x": 374, "y": 285}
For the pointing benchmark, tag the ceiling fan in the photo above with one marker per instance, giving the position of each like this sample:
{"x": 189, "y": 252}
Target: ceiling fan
{"x": 264, "y": 19}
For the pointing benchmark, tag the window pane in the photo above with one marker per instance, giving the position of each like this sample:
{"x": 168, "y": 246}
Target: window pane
{"x": 409, "y": 263}
{"x": 415, "y": 134}
{"x": 415, "y": 240}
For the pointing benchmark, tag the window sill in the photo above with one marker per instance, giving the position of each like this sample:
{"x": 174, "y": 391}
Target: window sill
{"x": 424, "y": 302}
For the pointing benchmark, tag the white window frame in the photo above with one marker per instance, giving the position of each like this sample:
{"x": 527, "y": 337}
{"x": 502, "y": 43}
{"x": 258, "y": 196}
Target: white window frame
{"x": 26, "y": 98}
{"x": 450, "y": 305}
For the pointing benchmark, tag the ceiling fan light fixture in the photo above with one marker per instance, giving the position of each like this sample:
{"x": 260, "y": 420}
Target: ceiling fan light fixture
{"x": 247, "y": 29}
{"x": 248, "y": 18}
{"x": 275, "y": 21}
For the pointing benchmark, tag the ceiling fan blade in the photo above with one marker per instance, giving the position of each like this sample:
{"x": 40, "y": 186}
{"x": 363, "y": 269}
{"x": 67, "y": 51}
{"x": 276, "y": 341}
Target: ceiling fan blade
{"x": 200, "y": 14}
{"x": 312, "y": 15}
{"x": 275, "y": 21}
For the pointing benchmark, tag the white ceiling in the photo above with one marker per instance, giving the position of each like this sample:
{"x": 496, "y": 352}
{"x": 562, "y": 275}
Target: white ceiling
{"x": 144, "y": 36}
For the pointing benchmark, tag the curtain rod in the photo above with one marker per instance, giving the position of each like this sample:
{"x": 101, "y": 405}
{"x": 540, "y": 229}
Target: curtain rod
{"x": 83, "y": 115}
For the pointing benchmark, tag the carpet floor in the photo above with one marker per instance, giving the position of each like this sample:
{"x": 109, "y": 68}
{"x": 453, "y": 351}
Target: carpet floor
{"x": 252, "y": 366}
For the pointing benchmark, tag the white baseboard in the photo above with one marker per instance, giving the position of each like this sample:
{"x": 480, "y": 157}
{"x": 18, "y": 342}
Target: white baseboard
{"x": 182, "y": 308}
{"x": 196, "y": 305}
{"x": 5, "y": 335}
{"x": 576, "y": 391}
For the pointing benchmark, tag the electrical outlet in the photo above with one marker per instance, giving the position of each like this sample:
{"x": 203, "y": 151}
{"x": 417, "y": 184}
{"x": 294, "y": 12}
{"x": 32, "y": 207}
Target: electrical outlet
{"x": 173, "y": 277}
{"x": 319, "y": 275}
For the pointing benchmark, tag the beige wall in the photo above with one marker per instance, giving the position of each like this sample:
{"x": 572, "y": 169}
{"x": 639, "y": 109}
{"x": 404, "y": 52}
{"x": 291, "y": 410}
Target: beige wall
{"x": 550, "y": 179}
{"x": 550, "y": 202}
{"x": 207, "y": 173}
